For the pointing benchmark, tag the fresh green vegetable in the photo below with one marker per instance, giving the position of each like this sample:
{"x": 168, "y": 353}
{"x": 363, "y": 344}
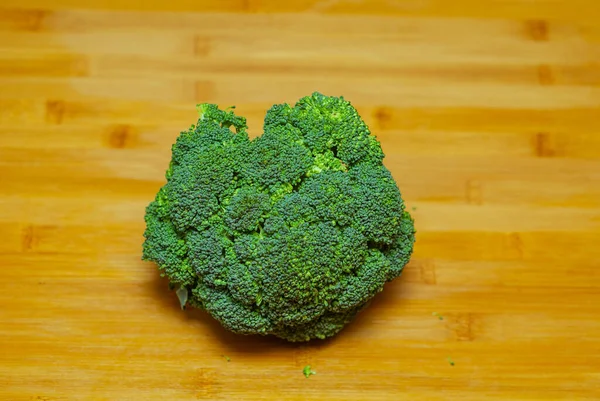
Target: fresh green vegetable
{"x": 308, "y": 371}
{"x": 291, "y": 233}
{"x": 182, "y": 294}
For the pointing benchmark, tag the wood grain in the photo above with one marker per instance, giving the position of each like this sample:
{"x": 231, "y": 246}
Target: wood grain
{"x": 489, "y": 115}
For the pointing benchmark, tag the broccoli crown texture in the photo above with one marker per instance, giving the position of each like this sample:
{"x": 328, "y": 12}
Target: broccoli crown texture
{"x": 291, "y": 233}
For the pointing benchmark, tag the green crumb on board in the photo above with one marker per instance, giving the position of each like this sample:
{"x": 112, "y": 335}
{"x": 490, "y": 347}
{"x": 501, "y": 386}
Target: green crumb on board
{"x": 228, "y": 359}
{"x": 438, "y": 315}
{"x": 308, "y": 371}
{"x": 451, "y": 361}
{"x": 414, "y": 208}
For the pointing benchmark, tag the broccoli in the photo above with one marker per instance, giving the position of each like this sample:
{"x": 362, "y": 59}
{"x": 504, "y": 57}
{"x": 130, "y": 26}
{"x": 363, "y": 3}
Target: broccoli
{"x": 289, "y": 234}
{"x": 307, "y": 371}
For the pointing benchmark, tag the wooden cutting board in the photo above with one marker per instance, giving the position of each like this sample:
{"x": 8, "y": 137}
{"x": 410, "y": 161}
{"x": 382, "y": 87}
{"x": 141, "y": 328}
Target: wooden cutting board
{"x": 489, "y": 115}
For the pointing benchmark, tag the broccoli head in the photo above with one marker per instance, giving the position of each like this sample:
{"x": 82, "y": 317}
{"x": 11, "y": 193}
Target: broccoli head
{"x": 291, "y": 233}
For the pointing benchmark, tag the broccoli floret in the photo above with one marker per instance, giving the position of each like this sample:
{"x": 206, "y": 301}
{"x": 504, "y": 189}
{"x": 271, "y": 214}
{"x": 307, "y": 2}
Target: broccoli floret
{"x": 290, "y": 234}
{"x": 307, "y": 371}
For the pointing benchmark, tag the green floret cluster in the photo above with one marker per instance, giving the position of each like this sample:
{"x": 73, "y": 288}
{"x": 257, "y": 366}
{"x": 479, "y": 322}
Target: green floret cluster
{"x": 291, "y": 233}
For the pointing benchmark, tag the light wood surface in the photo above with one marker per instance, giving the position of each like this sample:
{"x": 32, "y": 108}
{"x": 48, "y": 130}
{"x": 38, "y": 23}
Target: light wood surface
{"x": 489, "y": 115}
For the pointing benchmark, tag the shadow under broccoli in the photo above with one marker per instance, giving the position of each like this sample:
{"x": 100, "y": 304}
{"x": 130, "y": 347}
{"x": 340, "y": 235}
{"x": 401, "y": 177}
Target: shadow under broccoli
{"x": 291, "y": 233}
